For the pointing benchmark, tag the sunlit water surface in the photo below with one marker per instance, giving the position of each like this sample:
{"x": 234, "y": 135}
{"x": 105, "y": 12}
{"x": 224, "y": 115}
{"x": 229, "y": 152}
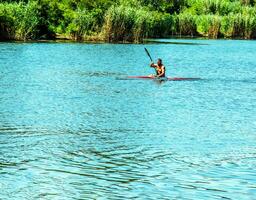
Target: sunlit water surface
{"x": 72, "y": 128}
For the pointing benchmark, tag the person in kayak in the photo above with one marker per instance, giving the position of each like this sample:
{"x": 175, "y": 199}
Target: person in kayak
{"x": 159, "y": 67}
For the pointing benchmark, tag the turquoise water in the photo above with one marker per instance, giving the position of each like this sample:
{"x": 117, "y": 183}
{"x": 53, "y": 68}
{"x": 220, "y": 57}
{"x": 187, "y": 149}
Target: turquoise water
{"x": 72, "y": 128}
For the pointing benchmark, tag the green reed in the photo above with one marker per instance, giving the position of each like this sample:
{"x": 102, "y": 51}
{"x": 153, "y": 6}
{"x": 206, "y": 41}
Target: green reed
{"x": 126, "y": 20}
{"x": 129, "y": 24}
{"x": 187, "y": 24}
{"x": 19, "y": 21}
{"x": 208, "y": 25}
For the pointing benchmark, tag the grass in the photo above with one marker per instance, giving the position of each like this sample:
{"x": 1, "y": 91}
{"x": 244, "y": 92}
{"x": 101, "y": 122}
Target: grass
{"x": 126, "y": 21}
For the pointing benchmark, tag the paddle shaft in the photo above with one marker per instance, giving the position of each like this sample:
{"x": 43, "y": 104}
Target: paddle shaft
{"x": 149, "y": 55}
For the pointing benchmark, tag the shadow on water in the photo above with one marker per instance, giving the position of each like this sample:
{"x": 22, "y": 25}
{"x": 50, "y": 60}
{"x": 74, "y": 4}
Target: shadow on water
{"x": 97, "y": 74}
{"x": 227, "y": 80}
{"x": 161, "y": 80}
{"x": 170, "y": 42}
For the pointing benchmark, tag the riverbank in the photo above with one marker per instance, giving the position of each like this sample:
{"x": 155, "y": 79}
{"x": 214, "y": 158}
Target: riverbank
{"x": 183, "y": 40}
{"x": 126, "y": 21}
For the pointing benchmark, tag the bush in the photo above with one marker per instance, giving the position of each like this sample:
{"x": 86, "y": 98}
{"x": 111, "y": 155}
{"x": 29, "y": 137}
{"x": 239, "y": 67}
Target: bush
{"x": 7, "y": 19}
{"x": 239, "y": 25}
{"x": 153, "y": 24}
{"x": 119, "y": 23}
{"x": 220, "y": 7}
{"x": 126, "y": 20}
{"x": 27, "y": 21}
{"x": 19, "y": 21}
{"x": 187, "y": 24}
{"x": 133, "y": 24}
{"x": 81, "y": 25}
{"x": 164, "y": 25}
{"x": 208, "y": 25}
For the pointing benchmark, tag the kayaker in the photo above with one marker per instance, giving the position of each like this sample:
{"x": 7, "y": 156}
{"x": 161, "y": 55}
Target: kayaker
{"x": 159, "y": 67}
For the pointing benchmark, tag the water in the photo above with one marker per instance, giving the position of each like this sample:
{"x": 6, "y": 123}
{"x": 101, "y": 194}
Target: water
{"x": 71, "y": 129}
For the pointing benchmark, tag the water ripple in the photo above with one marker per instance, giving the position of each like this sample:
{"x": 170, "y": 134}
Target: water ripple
{"x": 70, "y": 130}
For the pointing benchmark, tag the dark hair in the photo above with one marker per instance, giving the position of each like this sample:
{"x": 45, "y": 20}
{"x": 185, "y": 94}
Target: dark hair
{"x": 159, "y": 59}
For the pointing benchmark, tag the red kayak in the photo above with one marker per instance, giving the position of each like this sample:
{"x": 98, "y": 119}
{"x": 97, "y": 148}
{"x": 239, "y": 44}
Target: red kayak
{"x": 163, "y": 78}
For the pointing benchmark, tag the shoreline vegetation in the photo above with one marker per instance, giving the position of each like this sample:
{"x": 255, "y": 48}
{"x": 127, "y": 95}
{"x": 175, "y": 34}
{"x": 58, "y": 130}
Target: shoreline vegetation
{"x": 126, "y": 20}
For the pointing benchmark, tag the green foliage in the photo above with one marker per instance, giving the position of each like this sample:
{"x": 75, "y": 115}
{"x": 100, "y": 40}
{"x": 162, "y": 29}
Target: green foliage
{"x": 119, "y": 23}
{"x": 82, "y": 23}
{"x": 220, "y": 7}
{"x": 27, "y": 21}
{"x": 7, "y": 20}
{"x": 208, "y": 25}
{"x": 169, "y": 6}
{"x": 239, "y": 25}
{"x": 126, "y": 20}
{"x": 222, "y": 18}
{"x": 19, "y": 21}
{"x": 163, "y": 25}
{"x": 51, "y": 15}
{"x": 133, "y": 24}
{"x": 187, "y": 24}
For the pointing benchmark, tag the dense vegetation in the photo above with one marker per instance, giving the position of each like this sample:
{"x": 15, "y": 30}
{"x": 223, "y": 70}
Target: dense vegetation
{"x": 126, "y": 20}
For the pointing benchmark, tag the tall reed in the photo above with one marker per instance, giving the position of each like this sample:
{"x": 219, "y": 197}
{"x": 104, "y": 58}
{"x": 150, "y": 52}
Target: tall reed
{"x": 208, "y": 25}
{"x": 127, "y": 21}
{"x": 81, "y": 25}
{"x": 220, "y": 7}
{"x": 133, "y": 24}
{"x": 119, "y": 23}
{"x": 27, "y": 22}
{"x": 239, "y": 25}
{"x": 19, "y": 21}
{"x": 187, "y": 24}
{"x": 7, "y": 20}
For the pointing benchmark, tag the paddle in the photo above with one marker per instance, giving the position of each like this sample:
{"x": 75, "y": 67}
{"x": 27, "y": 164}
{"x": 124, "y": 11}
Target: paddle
{"x": 148, "y": 54}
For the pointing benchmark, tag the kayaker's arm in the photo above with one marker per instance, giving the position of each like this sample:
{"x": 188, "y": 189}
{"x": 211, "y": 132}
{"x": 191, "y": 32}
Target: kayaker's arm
{"x": 153, "y": 65}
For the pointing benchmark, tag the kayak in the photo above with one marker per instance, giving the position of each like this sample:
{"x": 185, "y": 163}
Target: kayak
{"x": 163, "y": 78}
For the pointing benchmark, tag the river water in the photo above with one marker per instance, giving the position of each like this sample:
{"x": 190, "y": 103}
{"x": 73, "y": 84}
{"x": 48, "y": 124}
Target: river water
{"x": 72, "y": 127}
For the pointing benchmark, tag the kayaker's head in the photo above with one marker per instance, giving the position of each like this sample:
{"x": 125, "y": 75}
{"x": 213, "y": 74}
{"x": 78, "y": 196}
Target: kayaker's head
{"x": 159, "y": 62}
